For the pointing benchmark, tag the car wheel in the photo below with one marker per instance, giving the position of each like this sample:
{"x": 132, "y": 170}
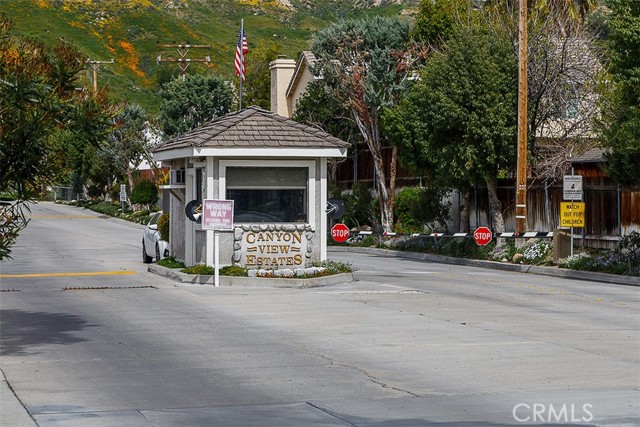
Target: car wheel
{"x": 158, "y": 253}
{"x": 145, "y": 258}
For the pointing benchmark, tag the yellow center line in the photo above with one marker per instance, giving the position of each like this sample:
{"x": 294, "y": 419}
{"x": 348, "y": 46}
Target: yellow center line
{"x": 84, "y": 273}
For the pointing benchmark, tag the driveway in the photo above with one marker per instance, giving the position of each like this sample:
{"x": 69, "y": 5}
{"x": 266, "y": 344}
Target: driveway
{"x": 89, "y": 338}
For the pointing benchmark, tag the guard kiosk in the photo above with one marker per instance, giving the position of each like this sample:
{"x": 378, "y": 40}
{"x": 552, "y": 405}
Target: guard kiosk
{"x": 275, "y": 171}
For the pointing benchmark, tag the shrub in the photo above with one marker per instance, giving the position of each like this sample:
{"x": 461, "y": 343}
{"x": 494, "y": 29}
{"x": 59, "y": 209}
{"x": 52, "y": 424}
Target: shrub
{"x": 503, "y": 251}
{"x": 611, "y": 262}
{"x": 416, "y": 244}
{"x": 536, "y": 252}
{"x": 465, "y": 248}
{"x": 406, "y": 208}
{"x": 228, "y": 270}
{"x": 629, "y": 251}
{"x": 95, "y": 191}
{"x": 415, "y": 207}
{"x": 233, "y": 270}
{"x": 170, "y": 262}
{"x": 335, "y": 267}
{"x": 358, "y": 206}
{"x": 144, "y": 193}
{"x": 199, "y": 269}
{"x": 577, "y": 261}
{"x": 106, "y": 208}
{"x": 163, "y": 226}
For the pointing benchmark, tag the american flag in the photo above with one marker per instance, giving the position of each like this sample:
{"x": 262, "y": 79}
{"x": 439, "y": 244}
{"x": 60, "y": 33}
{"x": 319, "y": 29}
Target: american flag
{"x": 241, "y": 49}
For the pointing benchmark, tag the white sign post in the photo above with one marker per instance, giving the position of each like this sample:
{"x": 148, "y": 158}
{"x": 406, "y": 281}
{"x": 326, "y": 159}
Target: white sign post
{"x": 217, "y": 215}
{"x": 123, "y": 196}
{"x": 572, "y": 190}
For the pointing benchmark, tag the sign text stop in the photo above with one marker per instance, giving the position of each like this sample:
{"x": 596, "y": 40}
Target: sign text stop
{"x": 482, "y": 235}
{"x": 340, "y": 233}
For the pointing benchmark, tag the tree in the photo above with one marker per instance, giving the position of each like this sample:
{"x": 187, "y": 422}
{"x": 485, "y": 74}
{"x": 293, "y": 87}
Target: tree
{"x": 319, "y": 109}
{"x": 564, "y": 65}
{"x": 37, "y": 97}
{"x": 460, "y": 118}
{"x": 128, "y": 145}
{"x": 257, "y": 86}
{"x": 566, "y": 12}
{"x": 564, "y": 68}
{"x": 145, "y": 193}
{"x": 620, "y": 123}
{"x": 365, "y": 65}
{"x": 190, "y": 102}
{"x": 437, "y": 21}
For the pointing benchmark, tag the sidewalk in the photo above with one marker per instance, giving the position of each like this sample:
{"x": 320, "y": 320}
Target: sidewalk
{"x": 12, "y": 413}
{"x": 521, "y": 268}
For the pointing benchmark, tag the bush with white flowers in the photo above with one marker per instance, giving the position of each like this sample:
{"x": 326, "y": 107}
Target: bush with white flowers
{"x": 536, "y": 252}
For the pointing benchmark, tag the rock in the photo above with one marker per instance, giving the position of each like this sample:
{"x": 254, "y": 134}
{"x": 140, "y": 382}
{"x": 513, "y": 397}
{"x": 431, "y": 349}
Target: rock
{"x": 517, "y": 258}
{"x": 237, "y": 234}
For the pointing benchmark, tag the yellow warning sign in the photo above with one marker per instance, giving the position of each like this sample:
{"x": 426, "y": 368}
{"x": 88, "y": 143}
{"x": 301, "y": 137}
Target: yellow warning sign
{"x": 572, "y": 214}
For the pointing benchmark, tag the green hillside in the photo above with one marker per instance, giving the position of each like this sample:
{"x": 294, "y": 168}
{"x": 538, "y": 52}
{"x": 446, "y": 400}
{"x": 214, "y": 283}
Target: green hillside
{"x": 129, "y": 31}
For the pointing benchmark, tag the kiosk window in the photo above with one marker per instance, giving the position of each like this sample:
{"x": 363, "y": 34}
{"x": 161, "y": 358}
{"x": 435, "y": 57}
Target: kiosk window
{"x": 268, "y": 194}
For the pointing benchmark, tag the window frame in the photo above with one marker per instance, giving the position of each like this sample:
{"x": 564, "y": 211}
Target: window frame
{"x": 253, "y": 163}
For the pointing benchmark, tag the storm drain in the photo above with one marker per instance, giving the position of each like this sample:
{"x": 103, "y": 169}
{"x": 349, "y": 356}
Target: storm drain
{"x": 100, "y": 288}
{"x": 9, "y": 290}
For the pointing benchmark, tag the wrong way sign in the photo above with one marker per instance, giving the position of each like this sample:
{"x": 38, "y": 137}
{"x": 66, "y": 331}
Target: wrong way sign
{"x": 217, "y": 214}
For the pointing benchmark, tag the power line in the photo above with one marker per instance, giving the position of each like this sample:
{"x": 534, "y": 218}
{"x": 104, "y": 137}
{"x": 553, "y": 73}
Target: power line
{"x": 183, "y": 61}
{"x": 95, "y": 65}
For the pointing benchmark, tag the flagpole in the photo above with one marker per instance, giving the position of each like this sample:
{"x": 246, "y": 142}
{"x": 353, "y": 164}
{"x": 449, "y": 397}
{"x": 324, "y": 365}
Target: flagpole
{"x": 241, "y": 62}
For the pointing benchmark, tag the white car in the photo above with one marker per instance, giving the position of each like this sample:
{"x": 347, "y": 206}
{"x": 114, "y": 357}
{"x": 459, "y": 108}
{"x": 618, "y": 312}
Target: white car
{"x": 152, "y": 245}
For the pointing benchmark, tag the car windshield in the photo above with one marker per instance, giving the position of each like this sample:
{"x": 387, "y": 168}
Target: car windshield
{"x": 154, "y": 219}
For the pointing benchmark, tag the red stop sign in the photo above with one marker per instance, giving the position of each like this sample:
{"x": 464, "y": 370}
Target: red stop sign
{"x": 482, "y": 235}
{"x": 340, "y": 233}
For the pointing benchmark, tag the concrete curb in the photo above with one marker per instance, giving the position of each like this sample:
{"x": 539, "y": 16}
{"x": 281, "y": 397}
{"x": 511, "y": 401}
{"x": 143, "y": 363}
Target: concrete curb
{"x": 314, "y": 282}
{"x": 12, "y": 411}
{"x": 521, "y": 268}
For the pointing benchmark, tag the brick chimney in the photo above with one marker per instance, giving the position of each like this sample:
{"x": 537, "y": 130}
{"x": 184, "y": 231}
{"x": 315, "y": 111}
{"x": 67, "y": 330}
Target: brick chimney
{"x": 281, "y": 73}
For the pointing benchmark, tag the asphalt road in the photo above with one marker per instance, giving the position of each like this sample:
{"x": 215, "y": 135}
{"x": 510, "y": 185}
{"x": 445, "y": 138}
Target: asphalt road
{"x": 89, "y": 338}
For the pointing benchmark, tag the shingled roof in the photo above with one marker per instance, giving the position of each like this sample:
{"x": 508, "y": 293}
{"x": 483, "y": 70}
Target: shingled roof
{"x": 253, "y": 128}
{"x": 594, "y": 155}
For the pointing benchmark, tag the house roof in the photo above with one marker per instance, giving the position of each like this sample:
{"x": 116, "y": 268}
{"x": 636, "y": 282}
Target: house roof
{"x": 251, "y": 128}
{"x": 307, "y": 59}
{"x": 594, "y": 155}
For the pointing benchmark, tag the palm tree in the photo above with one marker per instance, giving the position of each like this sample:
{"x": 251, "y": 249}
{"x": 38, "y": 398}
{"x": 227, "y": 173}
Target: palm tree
{"x": 575, "y": 10}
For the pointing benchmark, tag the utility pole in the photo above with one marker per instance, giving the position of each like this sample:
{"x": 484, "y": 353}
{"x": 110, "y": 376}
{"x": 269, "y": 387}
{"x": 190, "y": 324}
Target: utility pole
{"x": 95, "y": 65}
{"x": 183, "y": 61}
{"x": 521, "y": 172}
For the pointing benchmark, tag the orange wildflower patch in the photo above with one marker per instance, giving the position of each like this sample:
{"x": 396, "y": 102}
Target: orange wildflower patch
{"x": 132, "y": 58}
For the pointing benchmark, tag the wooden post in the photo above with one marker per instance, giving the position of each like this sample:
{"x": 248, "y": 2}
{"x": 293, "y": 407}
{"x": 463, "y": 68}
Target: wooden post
{"x": 521, "y": 174}
{"x": 95, "y": 65}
